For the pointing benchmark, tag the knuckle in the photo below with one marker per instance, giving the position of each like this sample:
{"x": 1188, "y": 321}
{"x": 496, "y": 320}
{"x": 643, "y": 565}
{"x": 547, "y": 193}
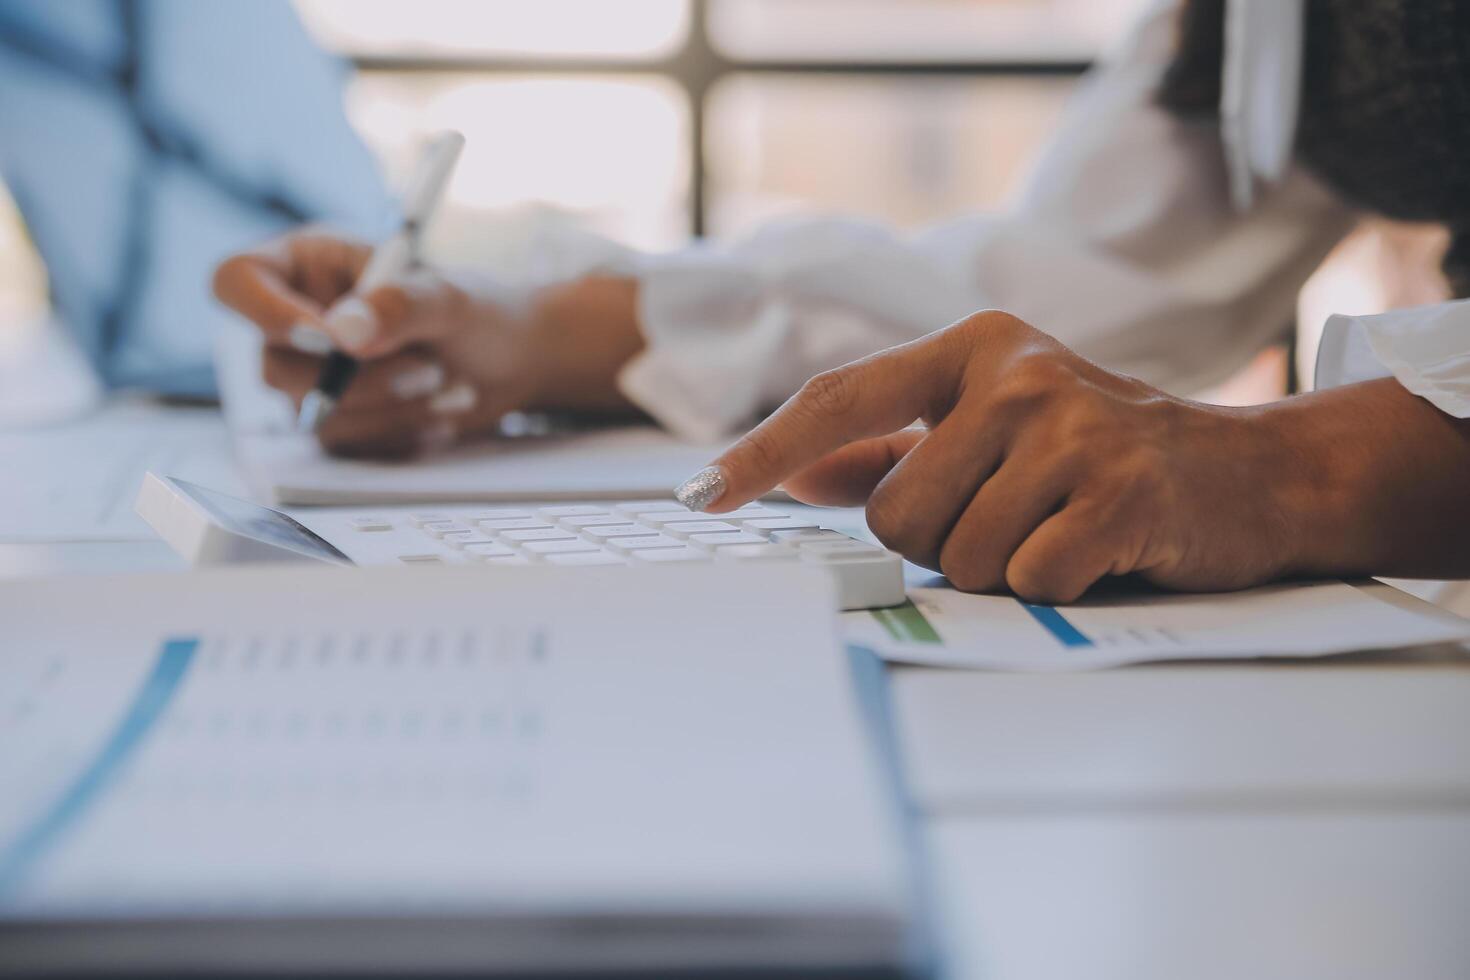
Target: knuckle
{"x": 888, "y": 523}
{"x": 832, "y": 393}
{"x": 762, "y": 450}
{"x": 964, "y": 569}
{"x": 991, "y": 326}
{"x": 391, "y": 303}
{"x": 1033, "y": 380}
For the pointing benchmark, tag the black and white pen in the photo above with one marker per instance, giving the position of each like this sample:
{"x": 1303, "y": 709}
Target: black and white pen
{"x": 391, "y": 259}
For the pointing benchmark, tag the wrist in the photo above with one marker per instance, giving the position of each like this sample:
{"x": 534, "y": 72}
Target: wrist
{"x": 580, "y": 335}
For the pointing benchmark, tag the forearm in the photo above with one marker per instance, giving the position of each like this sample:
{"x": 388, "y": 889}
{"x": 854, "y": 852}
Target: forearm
{"x": 1379, "y": 482}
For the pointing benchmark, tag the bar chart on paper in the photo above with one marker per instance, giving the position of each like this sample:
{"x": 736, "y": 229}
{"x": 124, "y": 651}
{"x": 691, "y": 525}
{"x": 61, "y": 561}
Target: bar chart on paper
{"x": 943, "y": 627}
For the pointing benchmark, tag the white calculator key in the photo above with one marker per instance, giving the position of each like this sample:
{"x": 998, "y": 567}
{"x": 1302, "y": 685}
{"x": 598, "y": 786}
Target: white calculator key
{"x": 758, "y": 552}
{"x": 682, "y": 553}
{"x": 644, "y": 542}
{"x": 440, "y": 528}
{"x": 803, "y": 535}
{"x": 767, "y": 524}
{"x": 587, "y": 558}
{"x": 557, "y": 547}
{"x": 461, "y": 539}
{"x": 498, "y": 514}
{"x": 675, "y": 517}
{"x": 371, "y": 524}
{"x": 724, "y": 539}
{"x": 507, "y": 560}
{"x": 618, "y": 531}
{"x": 538, "y": 534}
{"x": 569, "y": 510}
{"x": 683, "y": 529}
{"x": 591, "y": 520}
{"x": 865, "y": 579}
{"x": 834, "y": 547}
{"x": 511, "y": 523}
{"x": 637, "y": 507}
{"x": 751, "y": 512}
{"x": 421, "y": 559}
{"x": 490, "y": 550}
{"x": 419, "y": 520}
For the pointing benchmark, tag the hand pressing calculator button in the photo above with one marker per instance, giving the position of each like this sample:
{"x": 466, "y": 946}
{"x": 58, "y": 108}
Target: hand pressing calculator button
{"x": 211, "y": 528}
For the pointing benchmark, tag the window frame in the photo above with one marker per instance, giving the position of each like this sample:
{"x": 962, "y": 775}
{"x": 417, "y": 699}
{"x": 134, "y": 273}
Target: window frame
{"x": 697, "y": 66}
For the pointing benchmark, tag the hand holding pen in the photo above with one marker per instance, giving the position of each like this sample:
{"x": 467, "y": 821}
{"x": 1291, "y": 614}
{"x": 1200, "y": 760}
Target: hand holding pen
{"x": 389, "y": 260}
{"x": 436, "y": 357}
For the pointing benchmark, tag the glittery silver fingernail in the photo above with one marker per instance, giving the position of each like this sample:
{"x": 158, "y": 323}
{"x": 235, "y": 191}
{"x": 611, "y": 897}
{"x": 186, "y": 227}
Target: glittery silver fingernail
{"x": 702, "y": 489}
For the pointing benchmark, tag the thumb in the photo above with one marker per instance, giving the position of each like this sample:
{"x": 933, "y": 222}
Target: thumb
{"x": 847, "y": 477}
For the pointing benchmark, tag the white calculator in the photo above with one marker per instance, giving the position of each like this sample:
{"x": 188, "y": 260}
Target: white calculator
{"x": 206, "y": 528}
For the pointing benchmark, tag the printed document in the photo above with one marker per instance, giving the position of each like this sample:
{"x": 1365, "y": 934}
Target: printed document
{"x": 525, "y": 752}
{"x": 943, "y": 627}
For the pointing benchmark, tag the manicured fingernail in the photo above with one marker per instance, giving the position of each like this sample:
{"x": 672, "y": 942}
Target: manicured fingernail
{"x": 417, "y": 382}
{"x": 352, "y": 322}
{"x": 702, "y": 489}
{"x": 310, "y": 339}
{"x": 460, "y": 398}
{"x": 438, "y": 437}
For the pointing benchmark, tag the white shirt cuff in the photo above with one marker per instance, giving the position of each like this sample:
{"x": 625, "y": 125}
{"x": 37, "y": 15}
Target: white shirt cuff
{"x": 1426, "y": 348}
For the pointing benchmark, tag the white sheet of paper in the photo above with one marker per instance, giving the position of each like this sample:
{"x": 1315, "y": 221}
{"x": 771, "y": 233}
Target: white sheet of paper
{"x": 943, "y": 627}
{"x": 419, "y": 740}
{"x": 286, "y": 468}
{"x": 624, "y": 462}
{"x": 78, "y": 481}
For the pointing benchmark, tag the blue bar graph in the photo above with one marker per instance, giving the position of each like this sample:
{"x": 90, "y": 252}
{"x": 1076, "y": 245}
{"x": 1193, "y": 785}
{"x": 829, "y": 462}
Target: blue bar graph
{"x": 1058, "y": 626}
{"x": 17, "y": 858}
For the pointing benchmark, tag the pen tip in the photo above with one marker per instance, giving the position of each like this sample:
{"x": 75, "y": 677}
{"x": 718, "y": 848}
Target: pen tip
{"x": 314, "y": 409}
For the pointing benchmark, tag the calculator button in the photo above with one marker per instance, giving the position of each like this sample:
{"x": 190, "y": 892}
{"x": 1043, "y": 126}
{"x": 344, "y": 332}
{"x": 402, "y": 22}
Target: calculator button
{"x": 491, "y": 550}
{"x": 537, "y": 534}
{"x": 461, "y": 539}
{"x": 682, "y": 553}
{"x": 511, "y": 523}
{"x": 758, "y": 552}
{"x": 371, "y": 524}
{"x": 441, "y": 528}
{"x": 586, "y": 558}
{"x": 419, "y": 520}
{"x": 638, "y": 507}
{"x": 840, "y": 547}
{"x": 800, "y": 536}
{"x": 752, "y": 512}
{"x": 683, "y": 529}
{"x": 557, "y": 547}
{"x": 676, "y": 517}
{"x": 767, "y": 524}
{"x": 498, "y": 514}
{"x": 591, "y": 520}
{"x": 570, "y": 510}
{"x": 421, "y": 559}
{"x": 644, "y": 542}
{"x": 723, "y": 539}
{"x": 617, "y": 531}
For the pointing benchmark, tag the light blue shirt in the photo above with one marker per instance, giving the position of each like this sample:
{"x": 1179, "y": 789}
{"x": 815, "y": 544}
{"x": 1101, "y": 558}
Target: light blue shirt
{"x": 144, "y": 140}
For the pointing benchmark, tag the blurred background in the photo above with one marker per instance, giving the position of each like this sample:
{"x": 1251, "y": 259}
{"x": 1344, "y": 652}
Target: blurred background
{"x": 651, "y": 121}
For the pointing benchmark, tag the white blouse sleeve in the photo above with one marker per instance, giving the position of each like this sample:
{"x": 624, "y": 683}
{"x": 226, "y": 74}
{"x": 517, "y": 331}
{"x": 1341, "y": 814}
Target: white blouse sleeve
{"x": 1427, "y": 348}
{"x": 1125, "y": 245}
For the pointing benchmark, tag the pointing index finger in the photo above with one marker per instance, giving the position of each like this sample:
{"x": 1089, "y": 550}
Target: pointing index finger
{"x": 872, "y": 397}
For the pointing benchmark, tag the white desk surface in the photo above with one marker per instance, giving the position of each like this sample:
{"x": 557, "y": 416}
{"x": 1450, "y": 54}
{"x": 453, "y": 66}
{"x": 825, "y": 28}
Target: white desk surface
{"x": 1292, "y": 821}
